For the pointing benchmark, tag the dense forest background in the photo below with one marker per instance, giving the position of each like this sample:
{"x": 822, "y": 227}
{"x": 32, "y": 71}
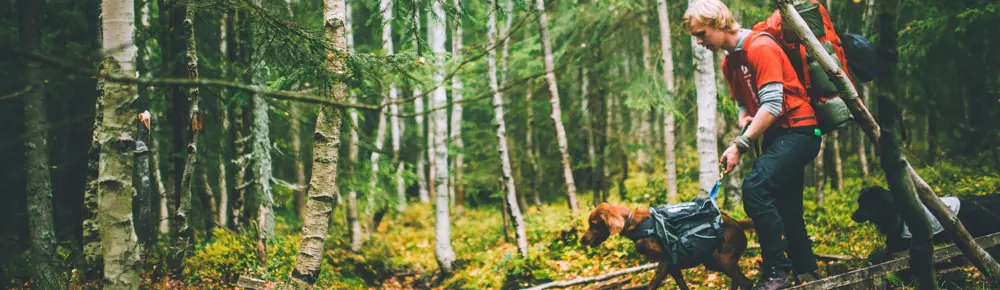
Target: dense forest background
{"x": 289, "y": 143}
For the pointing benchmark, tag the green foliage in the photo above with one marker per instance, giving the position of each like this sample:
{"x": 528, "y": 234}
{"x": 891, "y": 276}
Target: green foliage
{"x": 229, "y": 255}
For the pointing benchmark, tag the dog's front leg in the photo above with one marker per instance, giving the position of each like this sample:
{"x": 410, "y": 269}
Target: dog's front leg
{"x": 661, "y": 273}
{"x": 679, "y": 278}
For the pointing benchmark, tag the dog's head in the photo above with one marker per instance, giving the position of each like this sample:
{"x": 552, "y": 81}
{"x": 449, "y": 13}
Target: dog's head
{"x": 606, "y": 220}
{"x": 875, "y": 205}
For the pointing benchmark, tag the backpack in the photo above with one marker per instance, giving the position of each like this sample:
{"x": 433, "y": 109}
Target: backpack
{"x": 689, "y": 232}
{"x": 861, "y": 56}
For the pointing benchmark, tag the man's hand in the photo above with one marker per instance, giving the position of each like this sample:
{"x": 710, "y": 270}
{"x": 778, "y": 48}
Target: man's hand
{"x": 744, "y": 121}
{"x": 730, "y": 158}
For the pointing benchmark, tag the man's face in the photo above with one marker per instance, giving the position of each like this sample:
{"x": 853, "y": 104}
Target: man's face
{"x": 709, "y": 37}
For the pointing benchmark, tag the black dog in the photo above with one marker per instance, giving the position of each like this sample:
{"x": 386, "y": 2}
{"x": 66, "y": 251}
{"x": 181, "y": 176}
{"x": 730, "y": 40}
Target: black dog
{"x": 979, "y": 215}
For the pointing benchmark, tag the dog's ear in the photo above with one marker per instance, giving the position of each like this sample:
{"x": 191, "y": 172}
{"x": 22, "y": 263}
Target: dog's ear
{"x": 613, "y": 219}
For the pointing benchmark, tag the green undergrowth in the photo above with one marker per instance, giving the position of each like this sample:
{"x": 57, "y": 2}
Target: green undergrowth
{"x": 399, "y": 254}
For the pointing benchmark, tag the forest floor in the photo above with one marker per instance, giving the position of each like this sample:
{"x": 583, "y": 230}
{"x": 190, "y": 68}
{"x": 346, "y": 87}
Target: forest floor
{"x": 400, "y": 252}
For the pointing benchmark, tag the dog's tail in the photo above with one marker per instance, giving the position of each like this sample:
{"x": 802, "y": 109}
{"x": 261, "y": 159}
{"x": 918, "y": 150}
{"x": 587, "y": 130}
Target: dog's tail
{"x": 746, "y": 224}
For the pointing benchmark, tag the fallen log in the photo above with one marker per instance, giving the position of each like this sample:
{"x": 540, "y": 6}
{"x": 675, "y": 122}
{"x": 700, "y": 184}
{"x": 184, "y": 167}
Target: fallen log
{"x": 587, "y": 280}
{"x": 865, "y": 274}
{"x": 247, "y": 282}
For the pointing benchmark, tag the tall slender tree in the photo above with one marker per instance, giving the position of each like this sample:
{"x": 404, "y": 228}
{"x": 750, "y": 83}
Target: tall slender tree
{"x": 353, "y": 220}
{"x": 113, "y": 136}
{"x": 550, "y": 78}
{"x": 669, "y": 142}
{"x": 704, "y": 80}
{"x": 394, "y": 121}
{"x": 510, "y": 193}
{"x": 442, "y": 225}
{"x": 456, "y": 114}
{"x": 326, "y": 154}
{"x": 39, "y": 181}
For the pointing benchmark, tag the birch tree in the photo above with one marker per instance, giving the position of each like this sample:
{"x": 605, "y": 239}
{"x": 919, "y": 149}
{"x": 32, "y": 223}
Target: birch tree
{"x": 418, "y": 108}
{"x": 704, "y": 80}
{"x": 550, "y": 78}
{"x": 670, "y": 163}
{"x": 531, "y": 148}
{"x": 113, "y": 136}
{"x": 395, "y": 124}
{"x": 510, "y": 193}
{"x": 442, "y": 236}
{"x": 39, "y": 190}
{"x": 353, "y": 221}
{"x": 456, "y": 113}
{"x": 326, "y": 150}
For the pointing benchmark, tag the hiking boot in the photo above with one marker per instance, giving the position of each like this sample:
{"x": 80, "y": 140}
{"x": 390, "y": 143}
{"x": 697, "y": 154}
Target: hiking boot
{"x": 773, "y": 280}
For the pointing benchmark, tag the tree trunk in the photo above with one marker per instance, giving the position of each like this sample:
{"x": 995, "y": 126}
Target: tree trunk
{"x": 591, "y": 131}
{"x": 145, "y": 198}
{"x": 510, "y": 192}
{"x": 838, "y": 169}
{"x": 38, "y": 176}
{"x": 904, "y": 193}
{"x": 550, "y": 78}
{"x": 820, "y": 171}
{"x": 530, "y": 148}
{"x": 395, "y": 122}
{"x": 456, "y": 114}
{"x": 353, "y": 220}
{"x": 442, "y": 225}
{"x": 300, "y": 164}
{"x": 373, "y": 179}
{"x": 223, "y": 206}
{"x": 537, "y": 173}
{"x": 860, "y": 145}
{"x": 326, "y": 154}
{"x": 184, "y": 231}
{"x": 164, "y": 213}
{"x": 887, "y": 19}
{"x": 353, "y": 223}
{"x": 670, "y": 164}
{"x": 260, "y": 168}
{"x": 418, "y": 107}
{"x": 645, "y": 117}
{"x": 708, "y": 153}
{"x": 113, "y": 136}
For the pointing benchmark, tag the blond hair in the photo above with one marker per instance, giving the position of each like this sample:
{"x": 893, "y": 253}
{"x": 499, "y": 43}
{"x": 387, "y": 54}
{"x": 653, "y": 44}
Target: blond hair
{"x": 712, "y": 13}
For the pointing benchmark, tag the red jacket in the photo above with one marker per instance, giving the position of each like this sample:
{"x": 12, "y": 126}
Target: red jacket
{"x": 773, "y": 26}
{"x": 762, "y": 61}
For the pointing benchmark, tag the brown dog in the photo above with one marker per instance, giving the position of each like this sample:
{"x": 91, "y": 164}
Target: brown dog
{"x": 607, "y": 220}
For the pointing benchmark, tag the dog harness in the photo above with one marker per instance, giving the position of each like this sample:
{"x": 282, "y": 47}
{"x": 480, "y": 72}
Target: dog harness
{"x": 689, "y": 232}
{"x": 953, "y": 206}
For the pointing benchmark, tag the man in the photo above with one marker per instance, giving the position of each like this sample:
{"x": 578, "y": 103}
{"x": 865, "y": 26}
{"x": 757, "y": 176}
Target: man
{"x": 774, "y": 104}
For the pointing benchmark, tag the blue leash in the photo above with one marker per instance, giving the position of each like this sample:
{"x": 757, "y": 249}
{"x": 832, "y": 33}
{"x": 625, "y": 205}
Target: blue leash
{"x": 718, "y": 183}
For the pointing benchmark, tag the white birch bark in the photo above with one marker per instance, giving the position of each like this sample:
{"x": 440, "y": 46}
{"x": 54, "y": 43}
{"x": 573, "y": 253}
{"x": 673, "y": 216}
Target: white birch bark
{"x": 326, "y": 149}
{"x": 708, "y": 153}
{"x": 456, "y": 115}
{"x": 670, "y": 163}
{"x": 442, "y": 226}
{"x": 510, "y": 193}
{"x": 114, "y": 178}
{"x": 550, "y": 78}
